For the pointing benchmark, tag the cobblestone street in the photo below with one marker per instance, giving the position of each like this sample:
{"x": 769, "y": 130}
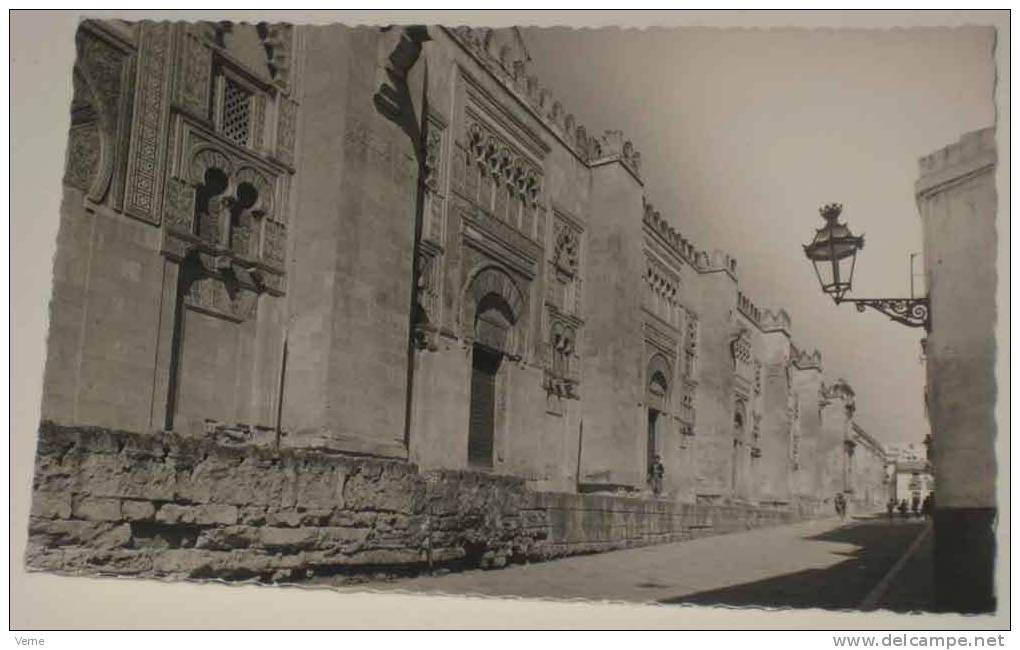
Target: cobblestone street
{"x": 826, "y": 563}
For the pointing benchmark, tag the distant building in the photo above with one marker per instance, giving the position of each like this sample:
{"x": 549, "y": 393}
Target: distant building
{"x": 910, "y": 472}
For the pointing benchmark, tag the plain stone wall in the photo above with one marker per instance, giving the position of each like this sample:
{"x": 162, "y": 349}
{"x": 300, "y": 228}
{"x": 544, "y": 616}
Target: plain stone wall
{"x": 776, "y": 464}
{"x": 114, "y": 502}
{"x": 956, "y": 196}
{"x": 346, "y": 383}
{"x": 714, "y": 439}
{"x": 104, "y": 312}
{"x": 957, "y": 199}
{"x": 612, "y": 349}
{"x": 808, "y": 477}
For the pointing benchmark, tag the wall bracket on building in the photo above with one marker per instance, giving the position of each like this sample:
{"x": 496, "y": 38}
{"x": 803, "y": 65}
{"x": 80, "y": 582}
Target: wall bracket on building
{"x": 912, "y": 312}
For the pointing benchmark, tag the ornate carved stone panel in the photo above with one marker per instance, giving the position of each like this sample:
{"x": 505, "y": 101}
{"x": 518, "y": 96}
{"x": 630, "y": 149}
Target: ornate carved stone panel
{"x": 498, "y": 177}
{"x": 216, "y": 297}
{"x": 143, "y": 189}
{"x": 662, "y": 292}
{"x": 194, "y": 78}
{"x": 98, "y": 110}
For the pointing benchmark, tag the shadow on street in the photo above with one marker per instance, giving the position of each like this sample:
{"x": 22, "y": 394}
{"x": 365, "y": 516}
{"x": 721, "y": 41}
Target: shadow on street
{"x": 880, "y": 543}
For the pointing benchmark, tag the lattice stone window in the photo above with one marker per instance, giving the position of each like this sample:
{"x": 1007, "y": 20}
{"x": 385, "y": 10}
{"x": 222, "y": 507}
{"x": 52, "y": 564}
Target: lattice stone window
{"x": 236, "y": 116}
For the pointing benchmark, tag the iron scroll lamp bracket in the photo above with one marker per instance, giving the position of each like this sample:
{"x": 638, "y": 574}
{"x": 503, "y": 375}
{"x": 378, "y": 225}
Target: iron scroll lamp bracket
{"x": 912, "y": 312}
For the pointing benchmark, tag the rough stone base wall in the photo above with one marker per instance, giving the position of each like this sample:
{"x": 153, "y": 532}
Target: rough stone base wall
{"x": 115, "y": 502}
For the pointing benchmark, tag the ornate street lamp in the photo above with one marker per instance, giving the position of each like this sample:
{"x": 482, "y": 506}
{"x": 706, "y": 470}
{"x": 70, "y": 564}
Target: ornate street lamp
{"x": 833, "y": 252}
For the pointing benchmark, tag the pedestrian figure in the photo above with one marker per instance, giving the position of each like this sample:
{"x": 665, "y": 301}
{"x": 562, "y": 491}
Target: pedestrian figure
{"x": 915, "y": 505}
{"x": 928, "y": 506}
{"x": 903, "y": 508}
{"x": 890, "y": 506}
{"x": 841, "y": 505}
{"x": 657, "y": 470}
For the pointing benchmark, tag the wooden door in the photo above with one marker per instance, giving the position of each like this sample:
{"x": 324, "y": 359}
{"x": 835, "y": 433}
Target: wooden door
{"x": 482, "y": 425}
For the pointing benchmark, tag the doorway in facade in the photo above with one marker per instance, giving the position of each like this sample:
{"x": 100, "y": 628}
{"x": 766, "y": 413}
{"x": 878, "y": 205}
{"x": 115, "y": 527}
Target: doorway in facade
{"x": 482, "y": 426}
{"x": 653, "y": 418}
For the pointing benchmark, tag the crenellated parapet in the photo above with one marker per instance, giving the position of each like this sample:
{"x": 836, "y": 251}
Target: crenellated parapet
{"x": 748, "y": 308}
{"x": 804, "y": 360}
{"x": 840, "y": 390}
{"x": 775, "y": 321}
{"x": 502, "y": 52}
{"x": 722, "y": 261}
{"x": 683, "y": 247}
{"x": 611, "y": 146}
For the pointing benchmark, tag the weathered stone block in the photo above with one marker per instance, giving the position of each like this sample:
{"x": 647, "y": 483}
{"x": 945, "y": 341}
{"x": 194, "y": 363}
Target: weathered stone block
{"x": 97, "y": 534}
{"x": 252, "y": 515}
{"x": 97, "y": 509}
{"x": 185, "y": 562}
{"x": 172, "y": 513}
{"x": 284, "y": 539}
{"x": 284, "y": 518}
{"x": 215, "y": 513}
{"x": 137, "y": 510}
{"x": 52, "y": 505}
{"x": 230, "y": 537}
{"x": 342, "y": 539}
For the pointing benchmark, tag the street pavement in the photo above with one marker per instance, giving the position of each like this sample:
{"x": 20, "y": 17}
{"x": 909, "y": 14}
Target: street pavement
{"x": 827, "y": 563}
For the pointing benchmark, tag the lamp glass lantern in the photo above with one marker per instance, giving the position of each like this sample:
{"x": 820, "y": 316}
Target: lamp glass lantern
{"x": 833, "y": 252}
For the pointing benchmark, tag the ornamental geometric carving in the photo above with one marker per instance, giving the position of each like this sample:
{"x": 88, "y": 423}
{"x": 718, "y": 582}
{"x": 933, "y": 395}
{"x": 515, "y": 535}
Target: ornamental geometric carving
{"x": 142, "y": 191}
{"x": 195, "y": 74}
{"x": 740, "y": 349}
{"x": 690, "y": 344}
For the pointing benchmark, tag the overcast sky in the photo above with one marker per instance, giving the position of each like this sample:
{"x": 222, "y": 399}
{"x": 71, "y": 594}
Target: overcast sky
{"x": 745, "y": 133}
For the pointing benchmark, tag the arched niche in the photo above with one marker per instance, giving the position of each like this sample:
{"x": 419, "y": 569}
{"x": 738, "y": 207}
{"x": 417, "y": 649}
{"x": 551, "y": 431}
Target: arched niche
{"x": 492, "y": 311}
{"x": 660, "y": 381}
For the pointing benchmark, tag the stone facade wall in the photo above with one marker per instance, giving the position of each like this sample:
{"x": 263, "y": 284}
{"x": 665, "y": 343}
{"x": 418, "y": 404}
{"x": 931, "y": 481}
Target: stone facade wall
{"x": 115, "y": 502}
{"x": 299, "y": 239}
